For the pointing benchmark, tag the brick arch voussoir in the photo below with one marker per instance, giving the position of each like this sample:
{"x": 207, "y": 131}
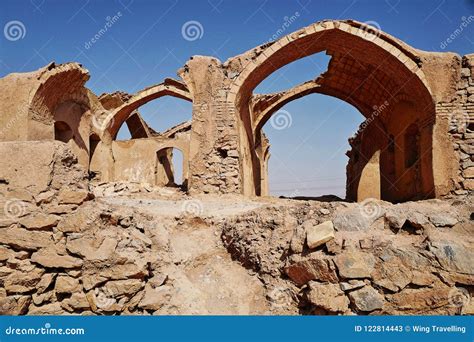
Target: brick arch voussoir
{"x": 114, "y": 120}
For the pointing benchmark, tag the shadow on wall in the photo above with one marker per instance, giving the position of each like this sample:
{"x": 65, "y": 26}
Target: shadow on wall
{"x": 71, "y": 127}
{"x": 169, "y": 168}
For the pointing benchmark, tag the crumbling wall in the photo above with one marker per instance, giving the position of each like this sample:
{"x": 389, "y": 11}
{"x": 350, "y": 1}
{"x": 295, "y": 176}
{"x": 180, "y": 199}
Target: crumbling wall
{"x": 136, "y": 160}
{"x": 214, "y": 149}
{"x": 14, "y": 104}
{"x": 373, "y": 258}
{"x": 33, "y": 173}
{"x": 462, "y": 127}
{"x": 453, "y": 88}
{"x": 449, "y": 78}
{"x": 31, "y": 104}
{"x": 50, "y": 259}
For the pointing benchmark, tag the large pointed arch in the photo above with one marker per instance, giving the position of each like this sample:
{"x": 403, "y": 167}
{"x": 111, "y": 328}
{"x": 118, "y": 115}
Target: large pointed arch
{"x": 368, "y": 69}
{"x": 113, "y": 120}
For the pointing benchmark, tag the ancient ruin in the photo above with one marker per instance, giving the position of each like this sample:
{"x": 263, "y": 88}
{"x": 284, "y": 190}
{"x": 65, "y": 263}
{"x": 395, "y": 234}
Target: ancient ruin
{"x": 91, "y": 224}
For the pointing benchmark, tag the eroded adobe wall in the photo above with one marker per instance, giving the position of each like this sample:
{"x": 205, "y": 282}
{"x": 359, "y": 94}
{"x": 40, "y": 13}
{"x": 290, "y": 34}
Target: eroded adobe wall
{"x": 31, "y": 103}
{"x": 14, "y": 104}
{"x": 34, "y": 171}
{"x": 391, "y": 154}
{"x": 449, "y": 78}
{"x": 137, "y": 160}
{"x": 451, "y": 81}
{"x": 381, "y": 258}
{"x": 462, "y": 127}
{"x": 214, "y": 148}
{"x": 466, "y": 142}
{"x": 362, "y": 176}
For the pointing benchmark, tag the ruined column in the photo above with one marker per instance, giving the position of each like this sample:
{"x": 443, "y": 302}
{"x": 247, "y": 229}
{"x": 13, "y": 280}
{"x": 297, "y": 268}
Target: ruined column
{"x": 213, "y": 158}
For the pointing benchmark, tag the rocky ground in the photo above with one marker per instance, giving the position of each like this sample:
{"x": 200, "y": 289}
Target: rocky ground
{"x": 69, "y": 247}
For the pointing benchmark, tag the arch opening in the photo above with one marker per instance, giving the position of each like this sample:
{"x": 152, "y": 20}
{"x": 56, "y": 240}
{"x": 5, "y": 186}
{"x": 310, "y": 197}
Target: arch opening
{"x": 170, "y": 169}
{"x": 155, "y": 117}
{"x": 62, "y": 132}
{"x": 115, "y": 119}
{"x": 365, "y": 73}
{"x": 71, "y": 127}
{"x": 295, "y": 73}
{"x": 307, "y": 144}
{"x": 94, "y": 141}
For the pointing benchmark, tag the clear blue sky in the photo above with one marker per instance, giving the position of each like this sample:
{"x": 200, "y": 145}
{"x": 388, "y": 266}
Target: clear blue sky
{"x": 146, "y": 44}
